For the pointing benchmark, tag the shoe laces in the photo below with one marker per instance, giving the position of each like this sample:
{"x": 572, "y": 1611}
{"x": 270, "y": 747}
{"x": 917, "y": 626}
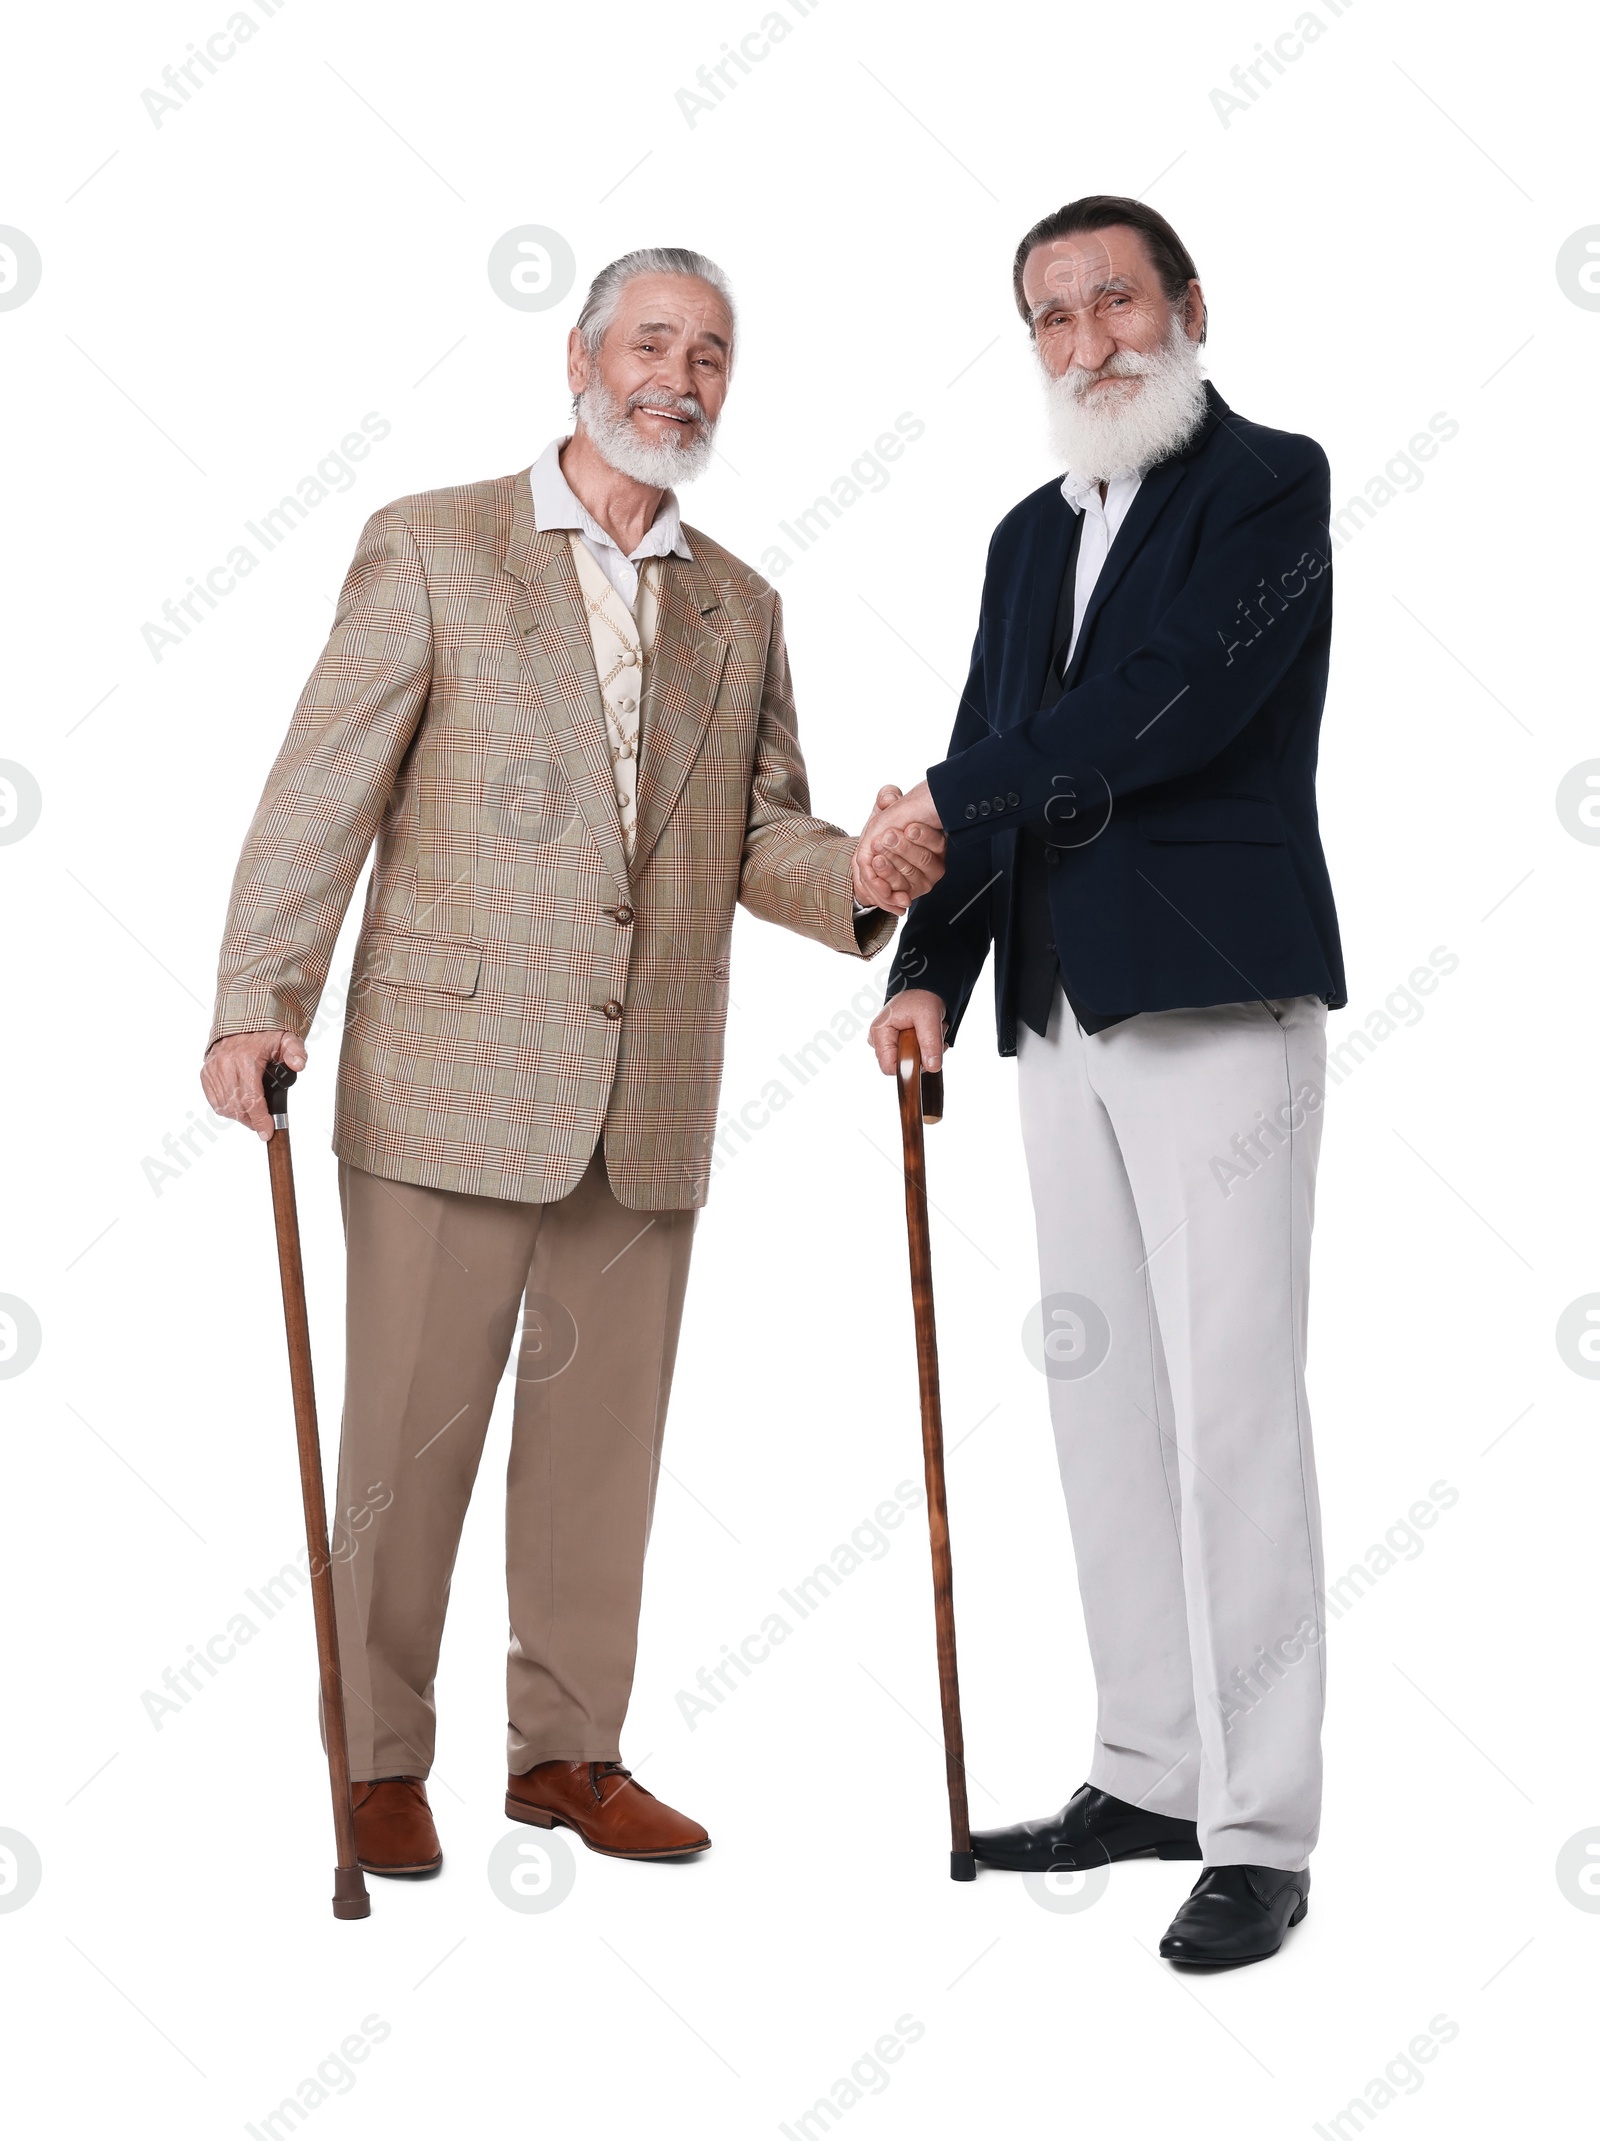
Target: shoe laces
{"x": 599, "y": 1770}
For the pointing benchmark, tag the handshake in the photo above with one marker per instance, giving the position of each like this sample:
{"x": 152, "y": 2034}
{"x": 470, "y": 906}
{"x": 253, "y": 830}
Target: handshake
{"x": 900, "y": 854}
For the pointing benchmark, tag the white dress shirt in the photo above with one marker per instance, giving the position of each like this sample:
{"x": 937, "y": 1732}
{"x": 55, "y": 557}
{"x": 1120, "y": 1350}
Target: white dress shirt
{"x": 557, "y": 505}
{"x": 1100, "y": 526}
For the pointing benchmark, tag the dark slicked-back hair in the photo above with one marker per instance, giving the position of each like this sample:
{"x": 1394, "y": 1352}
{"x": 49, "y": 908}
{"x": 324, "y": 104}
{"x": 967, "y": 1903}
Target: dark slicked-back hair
{"x": 1099, "y": 211}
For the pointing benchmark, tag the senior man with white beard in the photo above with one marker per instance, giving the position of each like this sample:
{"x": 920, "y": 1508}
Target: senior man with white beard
{"x": 566, "y": 720}
{"x": 1129, "y": 798}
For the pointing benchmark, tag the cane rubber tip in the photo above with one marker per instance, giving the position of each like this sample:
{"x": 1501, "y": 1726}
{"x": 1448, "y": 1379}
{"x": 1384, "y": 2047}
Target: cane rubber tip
{"x": 963, "y": 1866}
{"x": 350, "y": 1898}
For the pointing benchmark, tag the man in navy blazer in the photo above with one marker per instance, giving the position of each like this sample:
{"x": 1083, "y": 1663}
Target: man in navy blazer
{"x": 1129, "y": 800}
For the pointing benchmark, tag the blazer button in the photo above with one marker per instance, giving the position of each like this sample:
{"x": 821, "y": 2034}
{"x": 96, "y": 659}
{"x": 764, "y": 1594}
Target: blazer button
{"x": 1013, "y": 801}
{"x": 972, "y": 810}
{"x": 613, "y": 1009}
{"x": 983, "y": 810}
{"x": 999, "y": 802}
{"x": 622, "y": 914}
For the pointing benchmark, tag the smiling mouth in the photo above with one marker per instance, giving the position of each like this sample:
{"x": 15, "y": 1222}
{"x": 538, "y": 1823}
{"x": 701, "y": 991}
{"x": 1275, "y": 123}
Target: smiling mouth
{"x": 665, "y": 416}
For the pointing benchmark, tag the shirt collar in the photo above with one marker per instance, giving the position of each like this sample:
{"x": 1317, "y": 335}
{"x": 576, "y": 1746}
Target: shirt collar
{"x": 557, "y": 505}
{"x": 1078, "y": 490}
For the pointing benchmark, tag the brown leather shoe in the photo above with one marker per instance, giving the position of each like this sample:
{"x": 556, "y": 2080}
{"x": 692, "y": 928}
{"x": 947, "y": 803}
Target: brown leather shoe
{"x": 608, "y": 1809}
{"x": 394, "y": 1828}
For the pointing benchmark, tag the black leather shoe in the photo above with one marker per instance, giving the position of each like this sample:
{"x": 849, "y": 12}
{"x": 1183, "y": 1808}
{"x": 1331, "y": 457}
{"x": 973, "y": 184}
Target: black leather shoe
{"x": 1236, "y": 1914}
{"x": 1092, "y": 1829}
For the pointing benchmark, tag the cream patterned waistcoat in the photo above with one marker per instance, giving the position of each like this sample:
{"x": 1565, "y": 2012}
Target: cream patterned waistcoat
{"x": 622, "y": 640}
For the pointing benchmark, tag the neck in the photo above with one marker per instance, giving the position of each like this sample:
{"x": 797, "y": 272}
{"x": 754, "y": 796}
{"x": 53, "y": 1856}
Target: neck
{"x": 624, "y": 507}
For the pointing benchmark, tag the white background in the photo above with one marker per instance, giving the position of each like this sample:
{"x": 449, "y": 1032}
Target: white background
{"x": 223, "y": 297}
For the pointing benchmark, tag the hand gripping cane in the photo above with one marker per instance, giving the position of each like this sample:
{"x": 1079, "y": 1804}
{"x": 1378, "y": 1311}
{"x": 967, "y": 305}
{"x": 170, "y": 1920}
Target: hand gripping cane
{"x": 922, "y": 1100}
{"x": 350, "y": 1898}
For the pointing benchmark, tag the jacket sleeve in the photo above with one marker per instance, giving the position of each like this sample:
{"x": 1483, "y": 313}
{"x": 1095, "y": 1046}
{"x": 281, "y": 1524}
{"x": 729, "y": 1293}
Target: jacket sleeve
{"x": 946, "y": 937}
{"x": 795, "y": 868}
{"x": 325, "y": 796}
{"x": 1259, "y": 587}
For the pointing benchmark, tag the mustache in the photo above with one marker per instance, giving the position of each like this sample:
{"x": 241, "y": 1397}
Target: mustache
{"x": 1121, "y": 364}
{"x": 679, "y": 404}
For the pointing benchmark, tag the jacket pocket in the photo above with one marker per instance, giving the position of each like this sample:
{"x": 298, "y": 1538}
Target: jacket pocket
{"x": 1219, "y": 817}
{"x": 406, "y": 959}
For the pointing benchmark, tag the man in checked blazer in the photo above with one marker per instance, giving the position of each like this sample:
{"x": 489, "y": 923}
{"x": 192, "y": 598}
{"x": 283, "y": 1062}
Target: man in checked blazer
{"x": 566, "y": 720}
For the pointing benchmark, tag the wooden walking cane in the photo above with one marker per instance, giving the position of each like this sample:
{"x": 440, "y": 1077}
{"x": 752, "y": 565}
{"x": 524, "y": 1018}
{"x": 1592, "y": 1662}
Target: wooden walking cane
{"x": 350, "y": 1898}
{"x": 922, "y": 1100}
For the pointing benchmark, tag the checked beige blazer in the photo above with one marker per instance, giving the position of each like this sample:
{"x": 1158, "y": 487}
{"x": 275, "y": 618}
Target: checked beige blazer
{"x": 517, "y": 990}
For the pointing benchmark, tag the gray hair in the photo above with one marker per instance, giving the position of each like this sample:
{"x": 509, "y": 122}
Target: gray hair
{"x": 605, "y": 292}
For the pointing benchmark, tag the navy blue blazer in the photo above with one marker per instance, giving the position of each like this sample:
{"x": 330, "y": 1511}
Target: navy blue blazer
{"x": 1175, "y": 775}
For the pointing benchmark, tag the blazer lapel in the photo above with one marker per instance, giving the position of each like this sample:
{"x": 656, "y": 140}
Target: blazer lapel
{"x": 558, "y": 658}
{"x": 1048, "y": 561}
{"x": 1152, "y": 494}
{"x": 680, "y": 693}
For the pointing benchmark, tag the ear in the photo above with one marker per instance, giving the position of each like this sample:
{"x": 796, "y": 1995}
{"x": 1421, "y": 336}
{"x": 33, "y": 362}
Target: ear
{"x": 577, "y": 362}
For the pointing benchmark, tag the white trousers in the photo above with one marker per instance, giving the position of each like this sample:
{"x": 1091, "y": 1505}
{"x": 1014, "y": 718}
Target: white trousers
{"x": 1173, "y": 1165}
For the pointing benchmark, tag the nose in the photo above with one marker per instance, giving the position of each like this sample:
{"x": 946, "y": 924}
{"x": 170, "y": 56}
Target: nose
{"x": 673, "y": 373}
{"x": 1092, "y": 345}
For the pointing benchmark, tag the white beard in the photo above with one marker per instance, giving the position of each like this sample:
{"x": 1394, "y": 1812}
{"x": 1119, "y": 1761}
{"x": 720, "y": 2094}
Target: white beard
{"x": 662, "y": 466}
{"x": 1112, "y": 431}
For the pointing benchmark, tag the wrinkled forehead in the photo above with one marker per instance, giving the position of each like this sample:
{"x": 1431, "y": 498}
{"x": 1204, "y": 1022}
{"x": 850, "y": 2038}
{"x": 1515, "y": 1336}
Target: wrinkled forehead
{"x": 1080, "y": 269}
{"x": 682, "y": 306}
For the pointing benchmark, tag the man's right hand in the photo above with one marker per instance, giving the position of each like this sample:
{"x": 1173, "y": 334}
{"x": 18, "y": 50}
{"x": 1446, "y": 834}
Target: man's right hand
{"x": 894, "y": 877}
{"x": 231, "y": 1074}
{"x": 924, "y": 1013}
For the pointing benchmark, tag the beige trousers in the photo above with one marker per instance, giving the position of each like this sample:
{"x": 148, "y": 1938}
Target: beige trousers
{"x": 436, "y": 1279}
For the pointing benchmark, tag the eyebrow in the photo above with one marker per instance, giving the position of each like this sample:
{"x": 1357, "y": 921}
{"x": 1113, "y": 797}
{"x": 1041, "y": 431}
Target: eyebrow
{"x": 1100, "y": 289}
{"x": 670, "y": 327}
